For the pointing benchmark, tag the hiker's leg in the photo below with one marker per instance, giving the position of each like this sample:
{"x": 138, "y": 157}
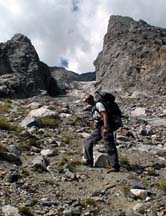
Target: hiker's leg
{"x": 111, "y": 150}
{"x": 88, "y": 146}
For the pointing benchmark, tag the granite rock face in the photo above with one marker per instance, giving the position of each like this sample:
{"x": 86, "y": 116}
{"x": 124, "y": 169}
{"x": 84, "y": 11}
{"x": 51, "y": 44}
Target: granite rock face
{"x": 22, "y": 74}
{"x": 133, "y": 57}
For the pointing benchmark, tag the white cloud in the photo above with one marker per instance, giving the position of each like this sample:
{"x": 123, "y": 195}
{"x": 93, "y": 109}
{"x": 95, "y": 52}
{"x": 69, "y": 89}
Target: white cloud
{"x": 72, "y": 29}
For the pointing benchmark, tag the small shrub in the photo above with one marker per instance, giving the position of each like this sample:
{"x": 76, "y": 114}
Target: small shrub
{"x": 18, "y": 130}
{"x": 25, "y": 172}
{"x": 162, "y": 186}
{"x": 151, "y": 172}
{"x": 56, "y": 152}
{"x": 124, "y": 161}
{"x": 49, "y": 181}
{"x": 33, "y": 142}
{"x": 71, "y": 153}
{"x": 60, "y": 165}
{"x": 49, "y": 122}
{"x": 6, "y": 125}
{"x": 126, "y": 190}
{"x": 67, "y": 137}
{"x": 26, "y": 143}
{"x": 76, "y": 121}
{"x": 24, "y": 146}
{"x": 88, "y": 202}
{"x": 3, "y": 149}
{"x": 25, "y": 211}
{"x": 34, "y": 202}
{"x": 22, "y": 110}
{"x": 75, "y": 162}
{"x": 69, "y": 164}
{"x": 4, "y": 108}
{"x": 71, "y": 168}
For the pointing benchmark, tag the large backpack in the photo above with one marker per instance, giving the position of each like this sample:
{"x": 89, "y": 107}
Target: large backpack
{"x": 112, "y": 109}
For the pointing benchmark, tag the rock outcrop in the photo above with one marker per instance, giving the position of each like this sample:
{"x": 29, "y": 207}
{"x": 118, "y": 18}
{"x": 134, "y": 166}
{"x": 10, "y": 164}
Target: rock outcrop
{"x": 133, "y": 57}
{"x": 65, "y": 78}
{"x": 22, "y": 74}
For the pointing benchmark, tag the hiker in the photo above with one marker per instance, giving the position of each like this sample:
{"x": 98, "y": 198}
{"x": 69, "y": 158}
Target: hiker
{"x": 102, "y": 130}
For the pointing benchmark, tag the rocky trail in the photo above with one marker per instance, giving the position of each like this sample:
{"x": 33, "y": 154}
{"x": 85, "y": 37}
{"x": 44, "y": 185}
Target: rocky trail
{"x": 41, "y": 152}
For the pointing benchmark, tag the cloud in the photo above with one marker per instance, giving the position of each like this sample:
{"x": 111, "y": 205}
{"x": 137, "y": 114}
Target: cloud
{"x": 72, "y": 30}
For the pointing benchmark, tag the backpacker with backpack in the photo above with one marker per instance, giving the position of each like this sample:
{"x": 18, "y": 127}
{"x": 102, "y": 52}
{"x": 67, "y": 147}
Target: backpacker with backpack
{"x": 112, "y": 109}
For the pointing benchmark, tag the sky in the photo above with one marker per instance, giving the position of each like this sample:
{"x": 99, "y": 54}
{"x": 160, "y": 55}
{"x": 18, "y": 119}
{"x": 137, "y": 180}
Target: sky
{"x": 69, "y": 33}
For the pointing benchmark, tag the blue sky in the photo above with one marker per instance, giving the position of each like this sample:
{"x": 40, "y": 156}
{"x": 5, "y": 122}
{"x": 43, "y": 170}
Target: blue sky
{"x": 70, "y": 32}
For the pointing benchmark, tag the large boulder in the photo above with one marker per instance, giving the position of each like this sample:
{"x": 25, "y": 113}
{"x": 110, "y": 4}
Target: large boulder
{"x": 22, "y": 74}
{"x": 133, "y": 57}
{"x": 33, "y": 118}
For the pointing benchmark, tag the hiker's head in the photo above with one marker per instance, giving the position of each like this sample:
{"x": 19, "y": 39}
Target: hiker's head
{"x": 89, "y": 99}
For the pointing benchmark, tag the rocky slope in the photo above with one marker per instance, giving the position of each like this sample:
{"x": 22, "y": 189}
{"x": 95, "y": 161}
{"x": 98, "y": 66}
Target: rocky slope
{"x": 22, "y": 74}
{"x": 133, "y": 57}
{"x": 41, "y": 142}
{"x": 67, "y": 79}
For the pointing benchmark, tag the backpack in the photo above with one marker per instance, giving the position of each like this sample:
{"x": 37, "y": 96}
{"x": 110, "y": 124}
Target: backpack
{"x": 112, "y": 109}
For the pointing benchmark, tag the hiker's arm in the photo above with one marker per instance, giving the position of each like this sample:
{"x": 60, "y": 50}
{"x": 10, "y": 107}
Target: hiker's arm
{"x": 105, "y": 121}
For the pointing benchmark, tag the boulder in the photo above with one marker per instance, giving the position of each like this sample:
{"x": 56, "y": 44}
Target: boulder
{"x": 39, "y": 164}
{"x": 100, "y": 157}
{"x": 139, "y": 111}
{"x": 101, "y": 160}
{"x": 11, "y": 158}
{"x": 10, "y": 211}
{"x": 32, "y": 118}
{"x": 139, "y": 193}
{"x": 47, "y": 152}
{"x": 22, "y": 74}
{"x": 30, "y": 121}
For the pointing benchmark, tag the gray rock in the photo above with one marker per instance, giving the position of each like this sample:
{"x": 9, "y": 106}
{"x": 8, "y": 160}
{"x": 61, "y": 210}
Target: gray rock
{"x": 14, "y": 149}
{"x": 32, "y": 118}
{"x": 39, "y": 164}
{"x": 139, "y": 208}
{"x": 132, "y": 59}
{"x": 34, "y": 105}
{"x": 47, "y": 152}
{"x": 22, "y": 73}
{"x": 122, "y": 139}
{"x": 139, "y": 193}
{"x": 139, "y": 111}
{"x": 10, "y": 211}
{"x": 100, "y": 160}
{"x": 69, "y": 175}
{"x": 65, "y": 115}
{"x": 30, "y": 121}
{"x": 157, "y": 122}
{"x": 11, "y": 158}
{"x": 14, "y": 177}
{"x": 76, "y": 212}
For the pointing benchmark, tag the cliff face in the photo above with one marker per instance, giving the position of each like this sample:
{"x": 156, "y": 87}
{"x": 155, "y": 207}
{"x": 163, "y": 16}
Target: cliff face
{"x": 133, "y": 57}
{"x": 22, "y": 74}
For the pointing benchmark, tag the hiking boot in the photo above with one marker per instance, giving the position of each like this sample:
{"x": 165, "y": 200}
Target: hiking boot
{"x": 86, "y": 163}
{"x": 113, "y": 169}
{"x": 89, "y": 165}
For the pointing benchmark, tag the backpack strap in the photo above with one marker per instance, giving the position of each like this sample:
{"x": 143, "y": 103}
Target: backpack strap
{"x": 95, "y": 109}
